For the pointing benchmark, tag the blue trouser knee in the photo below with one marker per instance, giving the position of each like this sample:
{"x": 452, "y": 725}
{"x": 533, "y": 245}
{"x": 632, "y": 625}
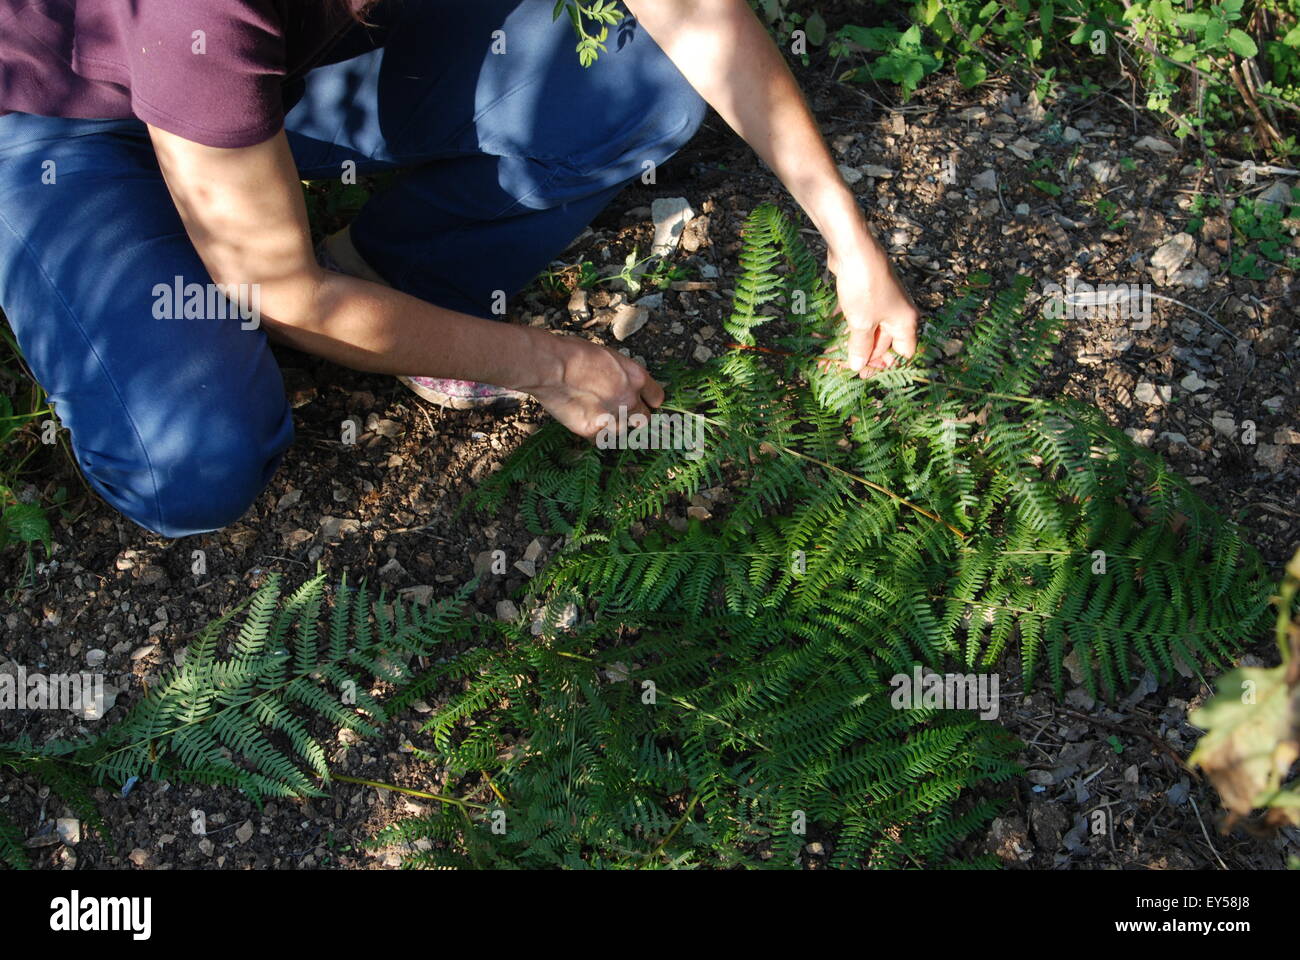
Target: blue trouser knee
{"x": 180, "y": 424}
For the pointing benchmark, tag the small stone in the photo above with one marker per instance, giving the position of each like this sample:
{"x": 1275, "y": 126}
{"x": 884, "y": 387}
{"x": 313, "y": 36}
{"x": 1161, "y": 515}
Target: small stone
{"x": 69, "y": 830}
{"x": 1196, "y": 276}
{"x": 244, "y": 833}
{"x": 851, "y": 175}
{"x": 392, "y": 571}
{"x": 670, "y": 215}
{"x": 141, "y": 652}
{"x": 1142, "y": 437}
{"x": 1278, "y": 194}
{"x": 1022, "y": 209}
{"x": 139, "y": 856}
{"x": 507, "y": 611}
{"x": 1024, "y": 148}
{"x": 1103, "y": 171}
{"x": 288, "y": 500}
{"x": 1271, "y": 455}
{"x": 297, "y": 537}
{"x": 1171, "y": 254}
{"x": 628, "y": 319}
{"x": 1151, "y": 394}
{"x": 206, "y": 847}
{"x": 533, "y": 551}
{"x": 1192, "y": 382}
{"x": 421, "y": 594}
{"x": 1071, "y": 135}
{"x": 1223, "y": 423}
{"x": 702, "y": 354}
{"x": 578, "y": 308}
{"x": 152, "y": 574}
{"x": 95, "y": 657}
{"x": 875, "y": 170}
{"x": 526, "y": 567}
{"x": 1155, "y": 145}
{"x": 335, "y": 528}
{"x": 986, "y": 180}
{"x": 389, "y": 429}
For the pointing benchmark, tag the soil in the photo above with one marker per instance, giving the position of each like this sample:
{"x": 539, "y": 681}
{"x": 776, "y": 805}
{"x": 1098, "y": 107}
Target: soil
{"x": 1105, "y": 787}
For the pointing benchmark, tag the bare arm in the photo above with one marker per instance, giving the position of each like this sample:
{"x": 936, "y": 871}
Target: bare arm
{"x": 725, "y": 53}
{"x": 243, "y": 210}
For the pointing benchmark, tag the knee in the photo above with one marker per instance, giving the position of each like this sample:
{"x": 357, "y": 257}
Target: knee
{"x": 190, "y": 479}
{"x": 208, "y": 492}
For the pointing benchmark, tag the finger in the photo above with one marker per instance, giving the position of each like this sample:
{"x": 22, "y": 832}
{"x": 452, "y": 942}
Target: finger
{"x": 905, "y": 341}
{"x": 880, "y": 355}
{"x": 652, "y": 393}
{"x": 859, "y": 348}
{"x": 872, "y": 364}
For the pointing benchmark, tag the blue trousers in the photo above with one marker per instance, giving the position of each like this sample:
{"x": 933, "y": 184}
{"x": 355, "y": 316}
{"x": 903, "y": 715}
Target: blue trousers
{"x": 505, "y": 155}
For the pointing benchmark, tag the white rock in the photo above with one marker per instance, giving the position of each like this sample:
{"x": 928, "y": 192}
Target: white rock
{"x": 670, "y": 215}
{"x": 628, "y": 319}
{"x": 1155, "y": 145}
{"x": 507, "y": 611}
{"x": 1224, "y": 425}
{"x": 1149, "y": 393}
{"x": 1192, "y": 382}
{"x": 1103, "y": 171}
{"x": 1142, "y": 437}
{"x": 1196, "y": 276}
{"x": 1171, "y": 254}
{"x": 69, "y": 830}
{"x": 851, "y": 175}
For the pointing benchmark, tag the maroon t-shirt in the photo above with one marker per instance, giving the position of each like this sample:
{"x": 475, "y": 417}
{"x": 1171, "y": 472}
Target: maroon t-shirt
{"x": 211, "y": 71}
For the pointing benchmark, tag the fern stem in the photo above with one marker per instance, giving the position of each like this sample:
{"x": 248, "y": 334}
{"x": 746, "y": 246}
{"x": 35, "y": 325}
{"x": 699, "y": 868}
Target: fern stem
{"x": 454, "y": 801}
{"x": 690, "y": 807}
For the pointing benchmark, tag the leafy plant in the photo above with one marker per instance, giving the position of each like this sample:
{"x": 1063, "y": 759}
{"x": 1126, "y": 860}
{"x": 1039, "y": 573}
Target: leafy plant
{"x": 850, "y": 530}
{"x": 245, "y": 720}
{"x": 1252, "y": 725}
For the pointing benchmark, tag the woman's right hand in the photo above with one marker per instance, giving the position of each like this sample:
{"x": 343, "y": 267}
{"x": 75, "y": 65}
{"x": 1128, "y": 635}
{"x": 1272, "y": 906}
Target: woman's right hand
{"x": 582, "y": 382}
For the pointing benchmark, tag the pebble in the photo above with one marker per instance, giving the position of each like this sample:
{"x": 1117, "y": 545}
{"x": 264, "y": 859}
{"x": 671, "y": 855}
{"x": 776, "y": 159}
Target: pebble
{"x": 1149, "y": 393}
{"x": 69, "y": 830}
{"x": 1192, "y": 382}
{"x": 628, "y": 319}
{"x": 986, "y": 180}
{"x": 1155, "y": 145}
{"x": 1171, "y": 254}
{"x": 670, "y": 215}
{"x": 851, "y": 175}
{"x": 334, "y": 528}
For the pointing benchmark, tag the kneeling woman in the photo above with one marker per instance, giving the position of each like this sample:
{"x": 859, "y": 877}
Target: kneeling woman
{"x": 148, "y": 141}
